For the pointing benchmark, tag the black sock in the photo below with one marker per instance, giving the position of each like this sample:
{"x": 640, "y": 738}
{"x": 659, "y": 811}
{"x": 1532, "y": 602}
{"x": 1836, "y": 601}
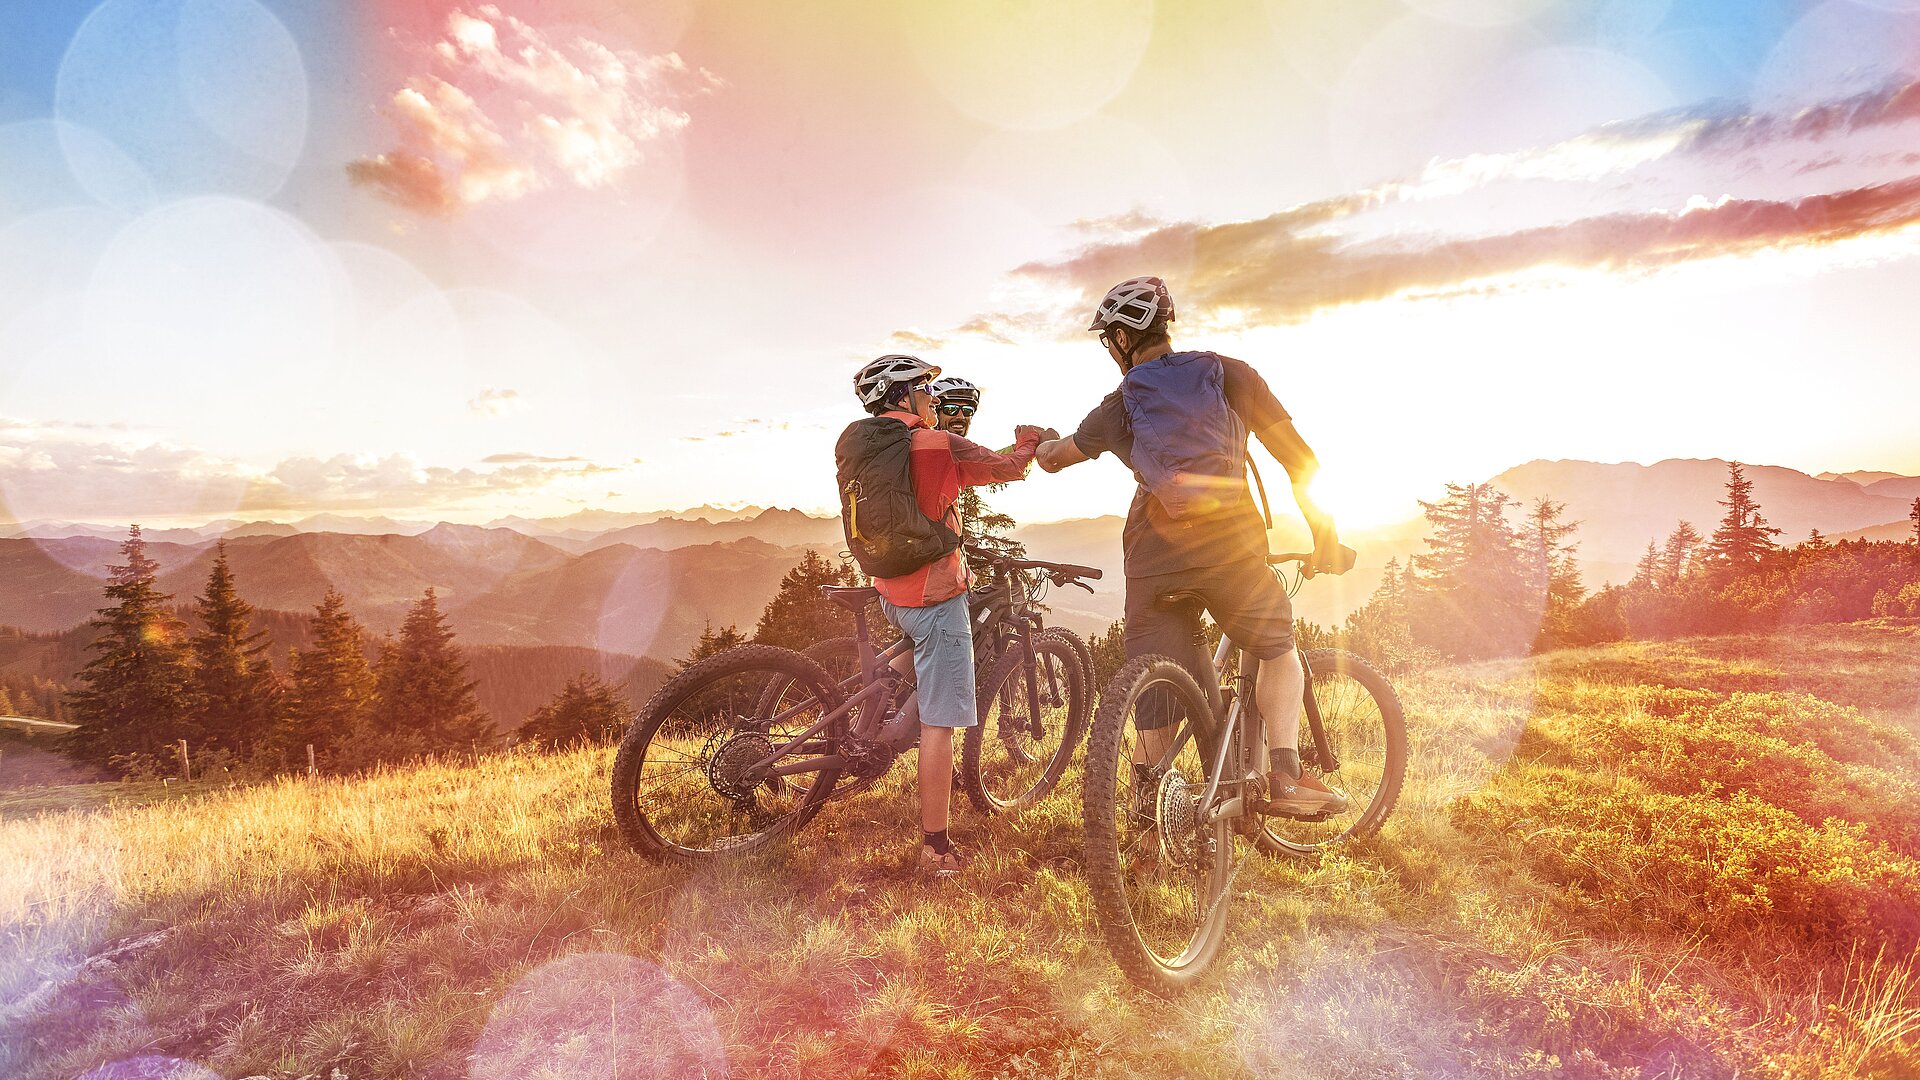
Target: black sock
{"x": 937, "y": 841}
{"x": 1285, "y": 762}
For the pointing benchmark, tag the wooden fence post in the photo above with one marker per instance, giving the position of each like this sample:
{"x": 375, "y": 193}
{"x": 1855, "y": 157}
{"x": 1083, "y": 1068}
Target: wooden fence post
{"x": 186, "y": 767}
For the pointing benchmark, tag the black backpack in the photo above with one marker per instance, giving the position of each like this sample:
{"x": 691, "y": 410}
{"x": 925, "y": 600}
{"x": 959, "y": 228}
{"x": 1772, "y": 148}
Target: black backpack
{"x": 885, "y": 530}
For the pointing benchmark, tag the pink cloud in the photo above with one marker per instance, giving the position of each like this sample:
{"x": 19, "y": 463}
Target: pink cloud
{"x": 506, "y": 111}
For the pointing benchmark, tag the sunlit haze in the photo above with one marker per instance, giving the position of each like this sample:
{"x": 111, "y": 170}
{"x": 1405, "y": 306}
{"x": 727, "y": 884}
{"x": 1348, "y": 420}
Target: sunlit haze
{"x": 268, "y": 259}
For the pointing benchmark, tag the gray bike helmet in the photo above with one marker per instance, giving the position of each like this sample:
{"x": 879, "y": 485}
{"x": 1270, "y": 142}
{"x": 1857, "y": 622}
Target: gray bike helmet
{"x": 1137, "y": 302}
{"x": 875, "y": 381}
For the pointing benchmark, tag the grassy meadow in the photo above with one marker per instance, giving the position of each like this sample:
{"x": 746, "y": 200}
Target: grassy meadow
{"x": 1697, "y": 859}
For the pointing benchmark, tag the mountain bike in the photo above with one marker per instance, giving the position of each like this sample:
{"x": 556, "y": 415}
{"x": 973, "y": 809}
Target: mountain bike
{"x": 746, "y": 746}
{"x": 1035, "y": 690}
{"x": 1161, "y": 820}
{"x": 1035, "y": 683}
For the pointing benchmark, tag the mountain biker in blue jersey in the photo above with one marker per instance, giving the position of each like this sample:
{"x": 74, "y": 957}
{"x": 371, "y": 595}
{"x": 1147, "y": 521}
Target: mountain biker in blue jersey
{"x": 1180, "y": 421}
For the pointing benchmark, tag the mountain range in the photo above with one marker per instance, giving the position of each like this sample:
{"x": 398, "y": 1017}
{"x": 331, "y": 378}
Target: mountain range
{"x": 648, "y": 584}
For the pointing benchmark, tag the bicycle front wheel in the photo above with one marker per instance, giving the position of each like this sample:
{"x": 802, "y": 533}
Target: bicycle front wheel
{"x": 690, "y": 781}
{"x": 1367, "y": 728}
{"x": 1158, "y": 872}
{"x": 1032, "y": 714}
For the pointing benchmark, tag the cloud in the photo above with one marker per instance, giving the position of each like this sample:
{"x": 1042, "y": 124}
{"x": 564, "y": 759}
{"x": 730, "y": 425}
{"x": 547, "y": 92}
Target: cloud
{"x": 492, "y": 401}
{"x": 1628, "y": 198}
{"x": 505, "y": 111}
{"x": 66, "y": 473}
{"x": 751, "y": 425}
{"x": 527, "y": 459}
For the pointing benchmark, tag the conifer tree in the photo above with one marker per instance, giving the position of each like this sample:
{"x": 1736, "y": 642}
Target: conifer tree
{"x": 1646, "y": 572}
{"x": 985, "y": 529}
{"x": 1676, "y": 556}
{"x": 232, "y": 679}
{"x": 423, "y": 699}
{"x": 1474, "y": 596}
{"x": 1554, "y": 569}
{"x": 1553, "y": 556}
{"x": 332, "y": 685}
{"x": 798, "y": 616}
{"x": 1744, "y": 537}
{"x": 1915, "y": 515}
{"x": 136, "y": 690}
{"x": 585, "y": 710}
{"x": 711, "y": 644}
{"x": 6, "y": 703}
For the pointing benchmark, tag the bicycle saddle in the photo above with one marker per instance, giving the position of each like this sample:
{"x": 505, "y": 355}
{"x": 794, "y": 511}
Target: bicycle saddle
{"x": 1181, "y": 600}
{"x": 852, "y": 598}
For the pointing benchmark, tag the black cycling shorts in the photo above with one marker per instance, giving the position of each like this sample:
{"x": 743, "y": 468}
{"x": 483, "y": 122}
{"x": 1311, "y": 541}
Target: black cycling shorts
{"x": 1244, "y": 597}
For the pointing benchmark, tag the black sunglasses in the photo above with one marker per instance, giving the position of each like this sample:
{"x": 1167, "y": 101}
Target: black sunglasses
{"x": 959, "y": 410}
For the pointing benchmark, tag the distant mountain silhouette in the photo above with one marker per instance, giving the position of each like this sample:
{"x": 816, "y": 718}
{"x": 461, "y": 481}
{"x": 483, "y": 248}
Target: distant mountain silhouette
{"x": 498, "y": 586}
{"x": 1897, "y": 487}
{"x": 648, "y": 587}
{"x": 1862, "y": 477}
{"x": 1621, "y": 506}
{"x": 784, "y": 528}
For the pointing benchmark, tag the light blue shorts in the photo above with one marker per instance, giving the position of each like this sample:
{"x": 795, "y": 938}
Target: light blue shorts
{"x": 942, "y": 637}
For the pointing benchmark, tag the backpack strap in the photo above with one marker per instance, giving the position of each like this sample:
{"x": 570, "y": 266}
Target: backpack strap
{"x": 1265, "y": 508}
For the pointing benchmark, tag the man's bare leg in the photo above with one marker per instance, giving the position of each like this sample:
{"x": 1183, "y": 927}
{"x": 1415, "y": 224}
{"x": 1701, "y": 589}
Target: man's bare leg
{"x": 1279, "y": 690}
{"x": 936, "y": 777}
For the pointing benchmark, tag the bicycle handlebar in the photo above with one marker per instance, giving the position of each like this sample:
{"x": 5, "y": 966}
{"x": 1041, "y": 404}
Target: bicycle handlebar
{"x": 1347, "y": 557}
{"x": 1067, "y": 569}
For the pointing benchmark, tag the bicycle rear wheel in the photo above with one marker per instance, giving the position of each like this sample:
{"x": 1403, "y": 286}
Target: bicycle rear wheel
{"x": 1015, "y": 755}
{"x": 1158, "y": 873}
{"x": 1363, "y": 719}
{"x": 687, "y": 784}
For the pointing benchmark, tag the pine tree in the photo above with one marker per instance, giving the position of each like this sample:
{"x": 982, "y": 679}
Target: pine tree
{"x": 1676, "y": 557}
{"x": 985, "y": 529}
{"x": 423, "y": 700}
{"x": 1474, "y": 597}
{"x": 332, "y": 686}
{"x": 585, "y": 710}
{"x": 1915, "y": 515}
{"x": 798, "y": 616}
{"x": 6, "y": 703}
{"x": 1816, "y": 543}
{"x": 232, "y": 680}
{"x": 1646, "y": 572}
{"x": 711, "y": 644}
{"x": 1553, "y": 557}
{"x": 1744, "y": 537}
{"x": 136, "y": 690}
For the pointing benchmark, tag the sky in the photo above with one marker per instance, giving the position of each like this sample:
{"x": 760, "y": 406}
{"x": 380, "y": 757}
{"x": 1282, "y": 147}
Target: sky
{"x": 268, "y": 258}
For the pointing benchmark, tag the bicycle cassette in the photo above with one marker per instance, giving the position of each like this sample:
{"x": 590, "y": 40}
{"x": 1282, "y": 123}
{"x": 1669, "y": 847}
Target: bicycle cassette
{"x": 732, "y": 769}
{"x": 1177, "y": 807}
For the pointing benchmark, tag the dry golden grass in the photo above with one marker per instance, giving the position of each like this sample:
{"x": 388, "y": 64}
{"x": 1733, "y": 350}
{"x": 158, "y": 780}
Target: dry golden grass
{"x": 1684, "y": 859}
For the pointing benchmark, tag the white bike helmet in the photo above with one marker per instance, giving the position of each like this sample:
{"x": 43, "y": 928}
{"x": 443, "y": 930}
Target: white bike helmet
{"x": 872, "y": 383}
{"x": 1136, "y": 302}
{"x": 954, "y": 388}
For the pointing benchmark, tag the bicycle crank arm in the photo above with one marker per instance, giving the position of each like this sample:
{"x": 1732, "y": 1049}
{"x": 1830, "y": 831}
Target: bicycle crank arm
{"x": 1228, "y": 808}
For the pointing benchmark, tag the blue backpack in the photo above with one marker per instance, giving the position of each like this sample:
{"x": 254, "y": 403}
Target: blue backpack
{"x": 1189, "y": 446}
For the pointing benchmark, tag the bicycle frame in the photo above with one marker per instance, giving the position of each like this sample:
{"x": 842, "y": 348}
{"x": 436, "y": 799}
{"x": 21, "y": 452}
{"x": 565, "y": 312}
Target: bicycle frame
{"x": 1235, "y": 725}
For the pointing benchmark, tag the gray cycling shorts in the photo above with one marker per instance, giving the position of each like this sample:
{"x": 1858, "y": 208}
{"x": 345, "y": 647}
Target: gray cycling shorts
{"x": 1244, "y": 597}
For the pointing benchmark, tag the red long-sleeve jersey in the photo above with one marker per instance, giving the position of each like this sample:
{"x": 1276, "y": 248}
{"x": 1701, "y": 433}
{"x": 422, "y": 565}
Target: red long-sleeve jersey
{"x": 941, "y": 464}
